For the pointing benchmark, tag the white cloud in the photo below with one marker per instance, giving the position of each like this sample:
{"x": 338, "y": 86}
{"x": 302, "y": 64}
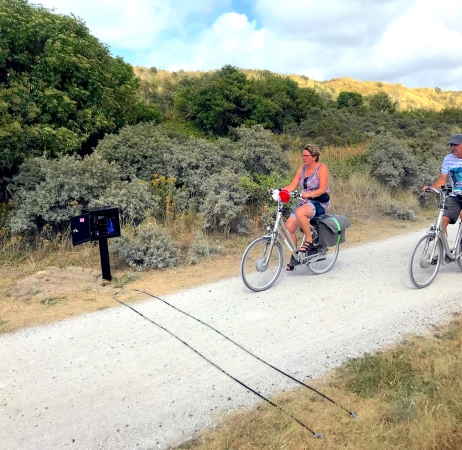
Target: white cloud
{"x": 414, "y": 42}
{"x": 232, "y": 39}
{"x": 133, "y": 24}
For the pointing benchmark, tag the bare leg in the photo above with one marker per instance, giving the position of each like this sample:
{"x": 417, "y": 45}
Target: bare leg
{"x": 291, "y": 225}
{"x": 303, "y": 214}
{"x": 446, "y": 221}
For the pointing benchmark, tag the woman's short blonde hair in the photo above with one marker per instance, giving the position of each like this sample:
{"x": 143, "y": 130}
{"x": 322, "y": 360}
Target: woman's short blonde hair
{"x": 314, "y": 150}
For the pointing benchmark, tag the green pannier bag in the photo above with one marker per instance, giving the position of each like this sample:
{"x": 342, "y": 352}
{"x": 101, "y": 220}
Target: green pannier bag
{"x": 331, "y": 228}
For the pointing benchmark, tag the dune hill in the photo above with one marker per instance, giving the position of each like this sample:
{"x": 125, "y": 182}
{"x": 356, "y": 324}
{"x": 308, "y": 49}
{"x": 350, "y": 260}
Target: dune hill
{"x": 432, "y": 98}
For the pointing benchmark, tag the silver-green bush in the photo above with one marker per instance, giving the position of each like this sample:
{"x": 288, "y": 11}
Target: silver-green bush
{"x": 391, "y": 162}
{"x": 202, "y": 248}
{"x": 61, "y": 188}
{"x": 134, "y": 200}
{"x": 259, "y": 152}
{"x": 138, "y": 150}
{"x": 146, "y": 247}
{"x": 224, "y": 203}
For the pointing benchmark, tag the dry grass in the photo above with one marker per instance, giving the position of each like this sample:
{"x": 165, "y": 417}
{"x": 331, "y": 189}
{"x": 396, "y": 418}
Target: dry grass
{"x": 409, "y": 397}
{"x": 336, "y": 154}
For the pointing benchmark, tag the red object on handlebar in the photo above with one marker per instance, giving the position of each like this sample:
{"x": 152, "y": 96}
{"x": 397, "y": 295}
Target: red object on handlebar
{"x": 284, "y": 195}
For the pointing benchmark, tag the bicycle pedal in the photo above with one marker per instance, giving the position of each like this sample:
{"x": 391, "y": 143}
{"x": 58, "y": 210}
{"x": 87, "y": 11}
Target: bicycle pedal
{"x": 293, "y": 261}
{"x": 312, "y": 251}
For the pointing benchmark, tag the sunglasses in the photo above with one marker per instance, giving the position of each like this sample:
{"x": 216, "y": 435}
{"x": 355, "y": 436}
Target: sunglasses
{"x": 454, "y": 145}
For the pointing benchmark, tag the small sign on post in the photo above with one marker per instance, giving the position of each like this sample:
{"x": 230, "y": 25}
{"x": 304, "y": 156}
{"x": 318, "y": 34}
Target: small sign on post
{"x": 97, "y": 224}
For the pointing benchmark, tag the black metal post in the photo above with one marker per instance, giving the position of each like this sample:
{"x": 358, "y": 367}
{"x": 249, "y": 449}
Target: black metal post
{"x": 104, "y": 255}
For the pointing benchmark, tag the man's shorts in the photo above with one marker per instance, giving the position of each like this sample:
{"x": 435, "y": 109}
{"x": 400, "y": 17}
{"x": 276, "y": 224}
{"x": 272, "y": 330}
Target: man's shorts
{"x": 452, "y": 208}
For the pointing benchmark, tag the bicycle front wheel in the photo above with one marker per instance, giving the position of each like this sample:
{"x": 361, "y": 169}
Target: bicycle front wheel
{"x": 425, "y": 261}
{"x": 324, "y": 260}
{"x": 261, "y": 264}
{"x": 459, "y": 250}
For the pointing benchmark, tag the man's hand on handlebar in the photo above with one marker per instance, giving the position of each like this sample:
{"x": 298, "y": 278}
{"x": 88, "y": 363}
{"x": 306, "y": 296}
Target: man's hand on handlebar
{"x": 445, "y": 189}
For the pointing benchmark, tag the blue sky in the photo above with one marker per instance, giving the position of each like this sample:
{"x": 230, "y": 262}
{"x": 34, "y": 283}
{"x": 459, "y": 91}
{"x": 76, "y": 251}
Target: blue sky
{"x": 413, "y": 42}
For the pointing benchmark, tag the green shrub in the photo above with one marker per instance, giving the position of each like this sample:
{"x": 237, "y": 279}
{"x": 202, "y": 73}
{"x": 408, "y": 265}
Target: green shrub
{"x": 146, "y": 247}
{"x": 172, "y": 200}
{"x": 147, "y": 150}
{"x": 258, "y": 186}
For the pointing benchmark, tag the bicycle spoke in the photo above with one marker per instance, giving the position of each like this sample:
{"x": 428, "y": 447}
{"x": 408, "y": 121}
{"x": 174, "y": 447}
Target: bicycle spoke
{"x": 425, "y": 261}
{"x": 324, "y": 260}
{"x": 261, "y": 265}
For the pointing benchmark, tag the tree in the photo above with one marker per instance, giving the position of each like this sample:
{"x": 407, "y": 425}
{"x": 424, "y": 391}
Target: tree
{"x": 279, "y": 101}
{"x": 226, "y": 99}
{"x": 349, "y": 100}
{"x": 60, "y": 89}
{"x": 216, "y": 102}
{"x": 382, "y": 102}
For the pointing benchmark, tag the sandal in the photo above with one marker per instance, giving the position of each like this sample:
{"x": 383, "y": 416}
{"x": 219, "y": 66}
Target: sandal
{"x": 306, "y": 247}
{"x": 290, "y": 268}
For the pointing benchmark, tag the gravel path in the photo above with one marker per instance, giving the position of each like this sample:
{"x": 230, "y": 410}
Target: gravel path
{"x": 112, "y": 380}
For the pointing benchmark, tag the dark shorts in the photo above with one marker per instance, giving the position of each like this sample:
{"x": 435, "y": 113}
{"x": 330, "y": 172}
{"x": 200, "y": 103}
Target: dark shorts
{"x": 452, "y": 208}
{"x": 319, "y": 210}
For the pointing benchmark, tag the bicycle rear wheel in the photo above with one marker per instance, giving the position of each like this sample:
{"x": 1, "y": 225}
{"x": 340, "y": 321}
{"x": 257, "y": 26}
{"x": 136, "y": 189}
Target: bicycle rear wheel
{"x": 423, "y": 267}
{"x": 324, "y": 260}
{"x": 257, "y": 275}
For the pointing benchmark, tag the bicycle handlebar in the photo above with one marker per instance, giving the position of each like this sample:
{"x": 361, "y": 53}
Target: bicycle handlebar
{"x": 275, "y": 194}
{"x": 441, "y": 190}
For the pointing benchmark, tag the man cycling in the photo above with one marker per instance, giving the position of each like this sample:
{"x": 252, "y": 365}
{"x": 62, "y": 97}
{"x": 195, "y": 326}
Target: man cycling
{"x": 452, "y": 166}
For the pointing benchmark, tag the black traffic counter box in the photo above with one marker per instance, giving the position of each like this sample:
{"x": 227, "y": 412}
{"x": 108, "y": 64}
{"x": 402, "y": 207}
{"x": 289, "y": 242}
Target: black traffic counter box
{"x": 97, "y": 224}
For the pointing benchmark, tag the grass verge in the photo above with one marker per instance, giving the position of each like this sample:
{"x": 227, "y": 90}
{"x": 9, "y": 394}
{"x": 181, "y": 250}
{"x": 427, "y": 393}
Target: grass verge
{"x": 408, "y": 397}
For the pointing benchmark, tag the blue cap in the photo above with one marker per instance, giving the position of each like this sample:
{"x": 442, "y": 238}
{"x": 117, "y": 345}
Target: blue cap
{"x": 456, "y": 139}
